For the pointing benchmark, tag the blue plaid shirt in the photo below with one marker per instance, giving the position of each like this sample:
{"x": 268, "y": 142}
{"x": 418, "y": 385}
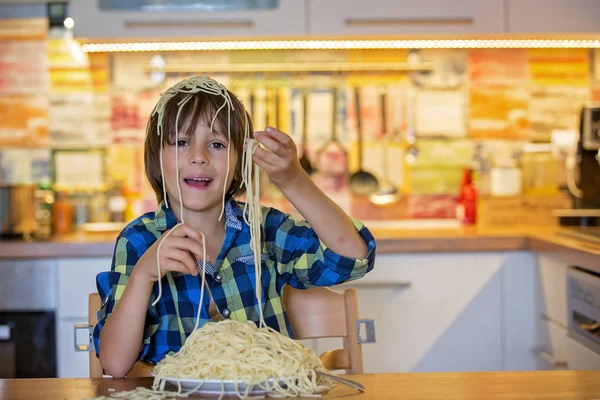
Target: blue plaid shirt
{"x": 291, "y": 254}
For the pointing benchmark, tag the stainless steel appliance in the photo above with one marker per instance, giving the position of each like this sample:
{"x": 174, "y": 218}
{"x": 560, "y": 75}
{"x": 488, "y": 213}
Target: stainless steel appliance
{"x": 586, "y": 197}
{"x": 589, "y": 158}
{"x": 28, "y": 302}
{"x": 583, "y": 306}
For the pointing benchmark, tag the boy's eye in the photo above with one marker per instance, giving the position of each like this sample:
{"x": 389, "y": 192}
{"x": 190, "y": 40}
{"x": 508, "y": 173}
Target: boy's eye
{"x": 218, "y": 145}
{"x": 182, "y": 142}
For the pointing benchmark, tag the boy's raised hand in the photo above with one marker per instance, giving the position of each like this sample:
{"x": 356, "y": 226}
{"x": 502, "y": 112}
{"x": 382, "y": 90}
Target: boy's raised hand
{"x": 176, "y": 253}
{"x": 280, "y": 162}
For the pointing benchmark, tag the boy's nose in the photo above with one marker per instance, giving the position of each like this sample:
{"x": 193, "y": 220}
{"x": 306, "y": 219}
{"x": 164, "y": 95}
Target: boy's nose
{"x": 199, "y": 157}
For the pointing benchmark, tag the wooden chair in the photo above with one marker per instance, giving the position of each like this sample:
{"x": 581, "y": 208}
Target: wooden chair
{"x": 320, "y": 312}
{"x": 139, "y": 369}
{"x": 314, "y": 313}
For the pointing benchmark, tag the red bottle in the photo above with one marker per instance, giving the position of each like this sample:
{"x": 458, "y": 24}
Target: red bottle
{"x": 467, "y": 199}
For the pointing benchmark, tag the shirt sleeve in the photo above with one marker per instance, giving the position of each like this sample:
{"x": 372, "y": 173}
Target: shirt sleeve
{"x": 111, "y": 286}
{"x": 306, "y": 261}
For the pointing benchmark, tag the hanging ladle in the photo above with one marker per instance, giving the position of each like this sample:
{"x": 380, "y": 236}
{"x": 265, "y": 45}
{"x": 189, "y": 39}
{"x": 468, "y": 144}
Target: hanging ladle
{"x": 361, "y": 182}
{"x": 387, "y": 193}
{"x": 304, "y": 161}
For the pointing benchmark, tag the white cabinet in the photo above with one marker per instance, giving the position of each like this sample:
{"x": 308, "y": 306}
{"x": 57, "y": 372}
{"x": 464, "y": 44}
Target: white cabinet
{"x": 71, "y": 363}
{"x": 388, "y": 17}
{"x": 76, "y": 280}
{"x": 553, "y": 16}
{"x": 519, "y": 311}
{"x": 454, "y": 306}
{"x": 287, "y": 18}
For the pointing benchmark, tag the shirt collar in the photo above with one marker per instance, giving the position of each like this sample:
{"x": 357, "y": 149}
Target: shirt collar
{"x": 234, "y": 216}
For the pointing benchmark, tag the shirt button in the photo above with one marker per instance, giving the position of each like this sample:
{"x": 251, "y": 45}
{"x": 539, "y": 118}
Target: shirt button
{"x": 225, "y": 312}
{"x": 218, "y": 278}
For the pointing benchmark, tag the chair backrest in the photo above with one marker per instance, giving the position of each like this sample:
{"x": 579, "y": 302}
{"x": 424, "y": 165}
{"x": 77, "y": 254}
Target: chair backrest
{"x": 96, "y": 371}
{"x": 320, "y": 312}
{"x": 317, "y": 312}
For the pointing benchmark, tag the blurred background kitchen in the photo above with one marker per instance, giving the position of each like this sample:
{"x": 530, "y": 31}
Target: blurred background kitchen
{"x": 426, "y": 116}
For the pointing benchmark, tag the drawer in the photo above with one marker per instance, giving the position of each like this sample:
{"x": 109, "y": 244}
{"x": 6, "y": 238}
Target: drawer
{"x": 580, "y": 357}
{"x": 542, "y": 16}
{"x": 375, "y": 17}
{"x": 286, "y": 18}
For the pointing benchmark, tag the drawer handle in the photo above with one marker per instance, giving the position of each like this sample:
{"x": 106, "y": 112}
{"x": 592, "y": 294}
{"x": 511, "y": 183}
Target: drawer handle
{"x": 549, "y": 358}
{"x": 189, "y": 24}
{"x": 83, "y": 347}
{"x": 395, "y": 22}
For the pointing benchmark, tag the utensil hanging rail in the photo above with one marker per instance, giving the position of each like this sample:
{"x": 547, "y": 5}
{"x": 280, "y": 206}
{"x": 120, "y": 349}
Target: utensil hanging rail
{"x": 296, "y": 67}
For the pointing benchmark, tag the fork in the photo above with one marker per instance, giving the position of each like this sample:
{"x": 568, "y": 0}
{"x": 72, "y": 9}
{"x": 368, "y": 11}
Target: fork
{"x": 213, "y": 310}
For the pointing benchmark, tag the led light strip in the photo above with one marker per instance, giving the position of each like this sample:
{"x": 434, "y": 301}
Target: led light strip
{"x": 341, "y": 45}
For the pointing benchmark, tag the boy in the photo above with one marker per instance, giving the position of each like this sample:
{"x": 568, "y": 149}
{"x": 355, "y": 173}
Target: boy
{"x": 325, "y": 249}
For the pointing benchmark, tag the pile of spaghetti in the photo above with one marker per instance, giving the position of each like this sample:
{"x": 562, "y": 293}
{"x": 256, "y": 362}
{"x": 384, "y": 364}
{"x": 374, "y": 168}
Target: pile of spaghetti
{"x": 243, "y": 353}
{"x": 258, "y": 357}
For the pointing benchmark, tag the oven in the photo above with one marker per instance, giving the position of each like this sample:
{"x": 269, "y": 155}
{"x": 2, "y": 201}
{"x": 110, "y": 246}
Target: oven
{"x": 583, "y": 305}
{"x": 28, "y": 303}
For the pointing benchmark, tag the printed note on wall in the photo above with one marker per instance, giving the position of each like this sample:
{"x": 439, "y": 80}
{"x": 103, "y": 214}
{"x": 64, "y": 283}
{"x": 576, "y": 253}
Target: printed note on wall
{"x": 559, "y": 67}
{"x": 22, "y": 166}
{"x": 554, "y": 107}
{"x": 79, "y": 120}
{"x": 440, "y": 113}
{"x": 24, "y": 67}
{"x": 499, "y": 112}
{"x": 498, "y": 66}
{"x": 23, "y": 121}
{"x": 449, "y": 69}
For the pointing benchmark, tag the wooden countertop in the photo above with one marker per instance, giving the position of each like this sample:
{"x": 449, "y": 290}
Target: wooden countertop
{"x": 464, "y": 239}
{"x": 558, "y": 385}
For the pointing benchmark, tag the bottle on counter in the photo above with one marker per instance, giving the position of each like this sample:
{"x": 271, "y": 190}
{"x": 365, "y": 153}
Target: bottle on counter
{"x": 45, "y": 204}
{"x": 117, "y": 203}
{"x": 466, "y": 210}
{"x": 62, "y": 213}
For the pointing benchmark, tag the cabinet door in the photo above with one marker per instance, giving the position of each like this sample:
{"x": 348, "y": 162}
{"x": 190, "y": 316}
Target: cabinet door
{"x": 553, "y": 16}
{"x": 285, "y": 18}
{"x": 71, "y": 363}
{"x": 342, "y": 17}
{"x": 552, "y": 288}
{"x": 551, "y": 353}
{"x": 76, "y": 280}
{"x": 452, "y": 308}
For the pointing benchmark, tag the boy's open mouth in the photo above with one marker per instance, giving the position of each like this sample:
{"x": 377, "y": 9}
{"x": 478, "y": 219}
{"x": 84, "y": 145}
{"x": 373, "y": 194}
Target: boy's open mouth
{"x": 198, "y": 182}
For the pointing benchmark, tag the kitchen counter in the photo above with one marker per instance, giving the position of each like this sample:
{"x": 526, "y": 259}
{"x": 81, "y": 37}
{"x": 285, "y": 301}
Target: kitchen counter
{"x": 572, "y": 385}
{"x": 389, "y": 240}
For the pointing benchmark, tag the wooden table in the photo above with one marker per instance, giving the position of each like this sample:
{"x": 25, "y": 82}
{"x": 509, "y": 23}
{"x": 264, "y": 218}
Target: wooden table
{"x": 549, "y": 385}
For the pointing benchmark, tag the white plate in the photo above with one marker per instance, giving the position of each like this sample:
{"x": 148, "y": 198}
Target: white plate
{"x": 214, "y": 386}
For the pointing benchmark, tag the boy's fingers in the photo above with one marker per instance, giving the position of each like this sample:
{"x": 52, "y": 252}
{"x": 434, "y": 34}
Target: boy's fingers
{"x": 177, "y": 266}
{"x": 185, "y": 258}
{"x": 184, "y": 230}
{"x": 273, "y": 145}
{"x": 281, "y": 137}
{"x": 267, "y": 159}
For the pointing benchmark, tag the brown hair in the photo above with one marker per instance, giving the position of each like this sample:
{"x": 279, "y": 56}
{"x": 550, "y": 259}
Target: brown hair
{"x": 200, "y": 108}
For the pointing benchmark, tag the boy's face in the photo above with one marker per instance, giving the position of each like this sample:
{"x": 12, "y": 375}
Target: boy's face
{"x": 202, "y": 168}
